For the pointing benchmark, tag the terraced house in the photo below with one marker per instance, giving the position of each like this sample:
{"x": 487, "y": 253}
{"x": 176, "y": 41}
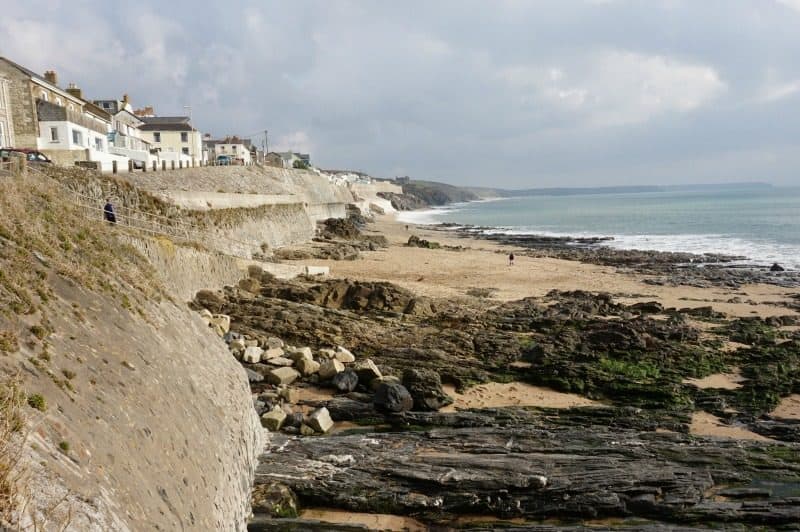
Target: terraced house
{"x": 173, "y": 137}
{"x": 6, "y": 120}
{"x": 57, "y": 121}
{"x": 126, "y": 137}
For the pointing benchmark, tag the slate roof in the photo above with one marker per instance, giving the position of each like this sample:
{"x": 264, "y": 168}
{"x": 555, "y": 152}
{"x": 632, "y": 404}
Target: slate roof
{"x": 166, "y": 123}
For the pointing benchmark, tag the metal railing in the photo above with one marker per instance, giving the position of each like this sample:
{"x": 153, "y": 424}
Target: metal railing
{"x": 156, "y": 224}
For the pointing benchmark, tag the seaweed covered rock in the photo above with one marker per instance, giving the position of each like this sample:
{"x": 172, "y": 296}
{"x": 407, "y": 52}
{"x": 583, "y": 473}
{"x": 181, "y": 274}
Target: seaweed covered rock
{"x": 425, "y": 387}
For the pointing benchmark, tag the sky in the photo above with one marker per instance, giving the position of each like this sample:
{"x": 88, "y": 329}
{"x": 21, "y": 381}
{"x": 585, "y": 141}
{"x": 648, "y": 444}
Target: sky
{"x": 501, "y": 93}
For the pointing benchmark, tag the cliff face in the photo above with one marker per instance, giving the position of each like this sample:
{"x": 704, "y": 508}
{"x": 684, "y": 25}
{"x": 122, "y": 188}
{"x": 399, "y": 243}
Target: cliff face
{"x": 139, "y": 418}
{"x": 236, "y": 210}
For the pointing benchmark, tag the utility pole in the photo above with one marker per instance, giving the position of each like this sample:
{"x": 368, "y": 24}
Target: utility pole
{"x": 266, "y": 142}
{"x": 191, "y": 131}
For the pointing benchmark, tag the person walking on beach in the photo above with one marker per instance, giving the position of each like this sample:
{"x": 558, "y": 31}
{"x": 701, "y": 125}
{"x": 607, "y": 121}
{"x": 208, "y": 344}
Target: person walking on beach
{"x": 510, "y": 259}
{"x": 108, "y": 212}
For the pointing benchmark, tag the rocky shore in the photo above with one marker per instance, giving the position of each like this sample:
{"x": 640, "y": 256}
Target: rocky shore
{"x": 689, "y": 419}
{"x": 665, "y": 268}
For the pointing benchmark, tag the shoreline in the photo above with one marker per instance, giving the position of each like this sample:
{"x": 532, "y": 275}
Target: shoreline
{"x": 548, "y": 349}
{"x": 483, "y": 264}
{"x": 736, "y": 251}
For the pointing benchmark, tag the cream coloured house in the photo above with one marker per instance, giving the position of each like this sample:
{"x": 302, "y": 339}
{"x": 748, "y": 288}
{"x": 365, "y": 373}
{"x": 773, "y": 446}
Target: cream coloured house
{"x": 173, "y": 137}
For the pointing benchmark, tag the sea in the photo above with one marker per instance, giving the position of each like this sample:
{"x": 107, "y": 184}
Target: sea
{"x": 761, "y": 224}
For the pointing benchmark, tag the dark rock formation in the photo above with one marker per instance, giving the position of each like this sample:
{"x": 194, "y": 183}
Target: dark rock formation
{"x": 403, "y": 202}
{"x": 346, "y": 381}
{"x": 425, "y": 387}
{"x": 544, "y": 471}
{"x": 417, "y": 242}
{"x": 391, "y": 398}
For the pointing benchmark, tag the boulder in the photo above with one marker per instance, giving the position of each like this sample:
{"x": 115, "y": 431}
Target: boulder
{"x": 345, "y": 381}
{"x": 273, "y": 420}
{"x": 374, "y": 384}
{"x": 275, "y": 500}
{"x": 282, "y": 376}
{"x": 223, "y": 321}
{"x": 274, "y": 343}
{"x": 294, "y": 420}
{"x": 300, "y": 353}
{"x": 327, "y": 353}
{"x": 252, "y": 355}
{"x": 307, "y": 367}
{"x": 777, "y": 268}
{"x": 366, "y": 370}
{"x": 425, "y": 387}
{"x": 290, "y": 395}
{"x": 279, "y": 361}
{"x": 273, "y": 352}
{"x": 250, "y": 285}
{"x": 237, "y": 345}
{"x": 253, "y": 376}
{"x": 392, "y": 398}
{"x": 329, "y": 368}
{"x": 206, "y": 314}
{"x": 208, "y": 299}
{"x": 320, "y": 420}
{"x": 343, "y": 355}
{"x": 305, "y": 430}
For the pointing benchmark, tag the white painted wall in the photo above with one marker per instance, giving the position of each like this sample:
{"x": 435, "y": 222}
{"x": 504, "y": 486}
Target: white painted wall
{"x": 65, "y": 140}
{"x": 237, "y": 151}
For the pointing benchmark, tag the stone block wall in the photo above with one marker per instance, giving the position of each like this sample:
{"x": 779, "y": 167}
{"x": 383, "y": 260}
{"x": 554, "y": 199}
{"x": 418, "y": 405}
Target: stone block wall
{"x": 23, "y": 110}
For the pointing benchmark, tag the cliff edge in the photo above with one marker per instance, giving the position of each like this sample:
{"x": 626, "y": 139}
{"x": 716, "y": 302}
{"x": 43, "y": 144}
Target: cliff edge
{"x": 134, "y": 414}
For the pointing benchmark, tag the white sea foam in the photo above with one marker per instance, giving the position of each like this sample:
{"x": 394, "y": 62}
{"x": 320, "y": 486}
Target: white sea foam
{"x": 758, "y": 252}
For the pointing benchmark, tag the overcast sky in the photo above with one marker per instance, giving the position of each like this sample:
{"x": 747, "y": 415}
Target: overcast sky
{"x": 514, "y": 93}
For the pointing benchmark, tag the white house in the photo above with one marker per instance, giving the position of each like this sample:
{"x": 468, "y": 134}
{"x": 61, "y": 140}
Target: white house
{"x": 233, "y": 147}
{"x": 290, "y": 159}
{"x": 76, "y": 132}
{"x": 126, "y": 137}
{"x": 173, "y": 137}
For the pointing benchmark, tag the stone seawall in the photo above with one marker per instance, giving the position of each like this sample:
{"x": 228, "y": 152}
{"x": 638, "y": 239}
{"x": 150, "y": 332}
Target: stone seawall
{"x": 186, "y": 270}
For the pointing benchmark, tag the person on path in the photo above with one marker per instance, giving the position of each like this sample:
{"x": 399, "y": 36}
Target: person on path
{"x": 510, "y": 259}
{"x": 108, "y": 212}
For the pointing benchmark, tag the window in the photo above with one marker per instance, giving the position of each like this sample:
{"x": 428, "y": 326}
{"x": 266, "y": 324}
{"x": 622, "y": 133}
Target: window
{"x": 184, "y": 137}
{"x": 185, "y": 151}
{"x": 53, "y": 134}
{"x": 98, "y": 144}
{"x": 43, "y": 95}
{"x": 59, "y": 102}
{"x": 157, "y": 136}
{"x": 106, "y": 105}
{"x": 234, "y": 148}
{"x": 77, "y": 138}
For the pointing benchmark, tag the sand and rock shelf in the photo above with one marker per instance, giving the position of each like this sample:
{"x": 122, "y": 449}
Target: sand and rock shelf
{"x": 391, "y": 408}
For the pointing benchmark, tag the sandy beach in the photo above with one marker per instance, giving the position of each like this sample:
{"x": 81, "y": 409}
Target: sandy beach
{"x": 484, "y": 264}
{"x": 449, "y": 273}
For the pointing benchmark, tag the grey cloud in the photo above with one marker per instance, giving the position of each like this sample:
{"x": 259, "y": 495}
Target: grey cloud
{"x": 512, "y": 93}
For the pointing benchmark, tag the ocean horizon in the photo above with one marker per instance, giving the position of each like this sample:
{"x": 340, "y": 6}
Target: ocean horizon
{"x": 759, "y": 224}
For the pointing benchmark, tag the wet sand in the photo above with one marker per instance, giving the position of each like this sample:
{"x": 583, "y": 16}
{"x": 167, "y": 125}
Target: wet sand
{"x": 495, "y": 394}
{"x": 450, "y": 274}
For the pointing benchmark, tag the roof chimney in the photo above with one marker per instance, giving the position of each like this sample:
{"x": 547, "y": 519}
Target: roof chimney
{"x": 146, "y": 111}
{"x": 51, "y": 77}
{"x": 75, "y": 91}
{"x": 125, "y": 100}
